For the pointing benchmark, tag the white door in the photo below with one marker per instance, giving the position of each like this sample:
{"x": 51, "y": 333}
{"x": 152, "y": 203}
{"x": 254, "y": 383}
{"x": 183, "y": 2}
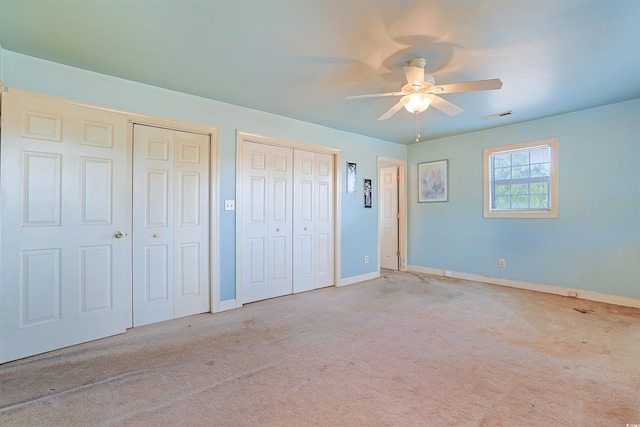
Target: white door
{"x": 170, "y": 224}
{"x": 66, "y": 217}
{"x": 267, "y": 225}
{"x": 192, "y": 283}
{"x": 304, "y": 242}
{"x": 313, "y": 246}
{"x": 388, "y": 214}
{"x": 323, "y": 221}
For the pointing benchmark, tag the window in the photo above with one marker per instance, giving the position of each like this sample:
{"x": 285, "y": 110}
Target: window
{"x": 521, "y": 180}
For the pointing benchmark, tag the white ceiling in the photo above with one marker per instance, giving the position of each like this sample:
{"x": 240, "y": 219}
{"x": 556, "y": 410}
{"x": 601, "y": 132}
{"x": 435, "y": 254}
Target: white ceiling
{"x": 299, "y": 58}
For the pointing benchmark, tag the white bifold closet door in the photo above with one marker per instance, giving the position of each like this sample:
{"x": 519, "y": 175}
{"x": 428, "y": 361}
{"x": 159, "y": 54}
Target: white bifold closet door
{"x": 170, "y": 224}
{"x": 313, "y": 221}
{"x": 66, "y": 217}
{"x": 267, "y": 189}
{"x": 287, "y": 217}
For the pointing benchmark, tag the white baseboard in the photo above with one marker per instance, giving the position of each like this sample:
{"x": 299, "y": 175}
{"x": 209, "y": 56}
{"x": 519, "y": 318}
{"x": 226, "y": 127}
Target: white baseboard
{"x": 532, "y": 286}
{"x": 228, "y": 305}
{"x": 360, "y": 278}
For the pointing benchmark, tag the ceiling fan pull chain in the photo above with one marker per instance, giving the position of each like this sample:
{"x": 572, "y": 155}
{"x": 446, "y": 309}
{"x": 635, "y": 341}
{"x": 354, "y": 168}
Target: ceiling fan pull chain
{"x": 417, "y": 127}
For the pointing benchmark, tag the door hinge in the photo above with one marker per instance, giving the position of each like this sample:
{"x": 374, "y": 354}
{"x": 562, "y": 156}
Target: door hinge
{"x": 398, "y": 253}
{"x": 397, "y": 216}
{"x": 397, "y": 177}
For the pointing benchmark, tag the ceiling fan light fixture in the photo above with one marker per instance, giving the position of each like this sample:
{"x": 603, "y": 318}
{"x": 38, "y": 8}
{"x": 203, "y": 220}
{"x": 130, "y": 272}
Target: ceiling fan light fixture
{"x": 417, "y": 102}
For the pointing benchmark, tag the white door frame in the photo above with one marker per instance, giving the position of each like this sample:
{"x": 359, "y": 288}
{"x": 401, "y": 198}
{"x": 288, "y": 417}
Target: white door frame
{"x": 241, "y": 137}
{"x": 214, "y": 191}
{"x": 384, "y": 162}
{"x": 66, "y": 275}
{"x": 132, "y": 118}
{"x": 173, "y": 232}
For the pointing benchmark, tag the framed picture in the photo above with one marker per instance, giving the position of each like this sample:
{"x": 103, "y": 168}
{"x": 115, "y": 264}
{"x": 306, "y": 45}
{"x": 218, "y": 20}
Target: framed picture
{"x": 367, "y": 192}
{"x": 432, "y": 181}
{"x": 351, "y": 178}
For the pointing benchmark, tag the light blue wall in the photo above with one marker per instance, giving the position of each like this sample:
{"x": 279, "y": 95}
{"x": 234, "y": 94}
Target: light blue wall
{"x": 594, "y": 245}
{"x": 358, "y": 225}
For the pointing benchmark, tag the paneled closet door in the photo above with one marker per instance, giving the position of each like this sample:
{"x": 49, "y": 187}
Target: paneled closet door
{"x": 170, "y": 224}
{"x": 304, "y": 243}
{"x": 323, "y": 222}
{"x": 313, "y": 221}
{"x": 191, "y": 224}
{"x": 66, "y": 215}
{"x": 267, "y": 225}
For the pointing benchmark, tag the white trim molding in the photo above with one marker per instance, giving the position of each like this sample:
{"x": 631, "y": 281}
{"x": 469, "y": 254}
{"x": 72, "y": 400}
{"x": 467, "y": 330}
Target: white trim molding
{"x": 532, "y": 286}
{"x": 360, "y": 278}
{"x": 552, "y": 212}
{"x": 243, "y": 137}
{"x": 402, "y": 208}
{"x": 229, "y": 304}
{"x": 134, "y": 117}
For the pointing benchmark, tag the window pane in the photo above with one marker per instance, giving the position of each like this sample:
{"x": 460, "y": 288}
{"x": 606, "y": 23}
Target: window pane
{"x": 502, "y": 174}
{"x": 539, "y": 201}
{"x": 539, "y": 188}
{"x": 540, "y": 155}
{"x": 519, "y": 158}
{"x": 540, "y": 170}
{"x": 502, "y": 202}
{"x": 520, "y": 189}
{"x": 520, "y": 202}
{"x": 520, "y": 172}
{"x": 502, "y": 190}
{"x": 501, "y": 160}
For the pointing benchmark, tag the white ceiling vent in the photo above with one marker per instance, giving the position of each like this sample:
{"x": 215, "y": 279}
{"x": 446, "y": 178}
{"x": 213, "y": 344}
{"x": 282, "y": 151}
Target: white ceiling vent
{"x": 495, "y": 116}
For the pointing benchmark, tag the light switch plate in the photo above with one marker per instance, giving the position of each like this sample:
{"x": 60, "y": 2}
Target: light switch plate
{"x": 229, "y": 205}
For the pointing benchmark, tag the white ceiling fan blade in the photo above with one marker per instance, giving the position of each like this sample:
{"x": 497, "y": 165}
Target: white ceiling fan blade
{"x": 374, "y": 95}
{"x": 490, "y": 84}
{"x": 391, "y": 111}
{"x": 445, "y": 106}
{"x": 415, "y": 76}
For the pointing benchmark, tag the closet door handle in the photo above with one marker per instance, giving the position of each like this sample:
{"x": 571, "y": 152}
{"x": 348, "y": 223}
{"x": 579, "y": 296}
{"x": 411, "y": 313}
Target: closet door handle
{"x": 118, "y": 234}
{"x": 277, "y": 229}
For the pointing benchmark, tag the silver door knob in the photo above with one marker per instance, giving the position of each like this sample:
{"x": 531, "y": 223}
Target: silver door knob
{"x": 277, "y": 229}
{"x": 156, "y": 235}
{"x": 118, "y": 234}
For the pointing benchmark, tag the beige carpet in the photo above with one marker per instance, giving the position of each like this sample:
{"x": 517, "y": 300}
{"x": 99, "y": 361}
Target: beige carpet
{"x": 402, "y": 350}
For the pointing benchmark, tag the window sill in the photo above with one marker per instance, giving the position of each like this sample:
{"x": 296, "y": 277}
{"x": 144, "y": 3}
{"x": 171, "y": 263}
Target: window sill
{"x": 550, "y": 213}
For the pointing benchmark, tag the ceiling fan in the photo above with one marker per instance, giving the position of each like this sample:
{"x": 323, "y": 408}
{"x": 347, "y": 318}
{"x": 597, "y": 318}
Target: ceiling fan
{"x": 420, "y": 91}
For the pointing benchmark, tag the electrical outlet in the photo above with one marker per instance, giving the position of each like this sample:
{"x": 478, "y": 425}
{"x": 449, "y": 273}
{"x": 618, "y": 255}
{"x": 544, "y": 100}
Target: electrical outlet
{"x": 366, "y": 259}
{"x": 501, "y": 263}
{"x": 229, "y": 205}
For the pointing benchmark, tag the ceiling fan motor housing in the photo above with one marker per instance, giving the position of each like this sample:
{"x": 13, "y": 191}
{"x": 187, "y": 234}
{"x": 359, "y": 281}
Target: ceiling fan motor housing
{"x": 418, "y": 62}
{"x": 429, "y": 82}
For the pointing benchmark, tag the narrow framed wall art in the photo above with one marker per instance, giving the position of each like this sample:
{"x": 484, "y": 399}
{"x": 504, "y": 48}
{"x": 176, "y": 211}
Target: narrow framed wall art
{"x": 351, "y": 177}
{"x": 368, "y": 193}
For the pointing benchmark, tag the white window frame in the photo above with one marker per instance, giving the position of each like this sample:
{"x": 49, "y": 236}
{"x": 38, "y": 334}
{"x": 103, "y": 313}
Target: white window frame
{"x": 552, "y": 212}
